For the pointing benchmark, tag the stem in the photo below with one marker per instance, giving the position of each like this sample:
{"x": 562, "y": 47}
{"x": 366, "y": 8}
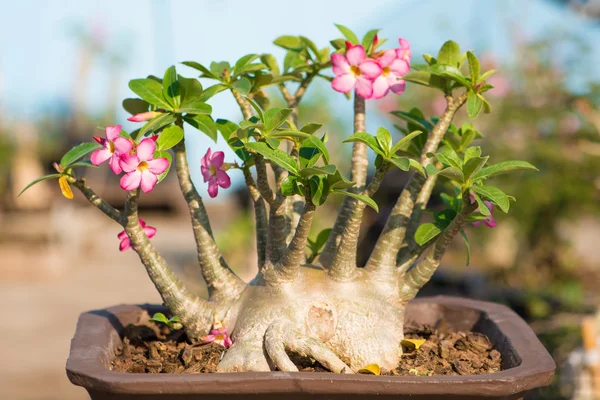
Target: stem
{"x": 393, "y": 236}
{"x": 418, "y": 276}
{"x": 195, "y": 314}
{"x": 343, "y": 266}
{"x": 97, "y": 201}
{"x": 359, "y": 175}
{"x": 260, "y": 214}
{"x": 220, "y": 279}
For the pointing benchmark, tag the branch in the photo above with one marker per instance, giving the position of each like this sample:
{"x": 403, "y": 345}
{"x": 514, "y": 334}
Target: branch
{"x": 343, "y": 266}
{"x": 360, "y": 164}
{"x": 260, "y": 214}
{"x": 96, "y": 200}
{"x": 420, "y": 274}
{"x": 220, "y": 279}
{"x": 391, "y": 239}
{"x": 195, "y": 314}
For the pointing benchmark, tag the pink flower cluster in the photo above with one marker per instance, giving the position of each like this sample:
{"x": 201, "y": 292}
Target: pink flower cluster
{"x": 213, "y": 172}
{"x": 372, "y": 78}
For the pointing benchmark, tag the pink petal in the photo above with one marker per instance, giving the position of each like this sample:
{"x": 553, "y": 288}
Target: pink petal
{"x": 206, "y": 159}
{"x": 404, "y": 44}
{"x": 125, "y": 244}
{"x": 489, "y": 205}
{"x": 398, "y": 87}
{"x": 228, "y": 342}
{"x": 128, "y": 163}
{"x": 490, "y": 222}
{"x": 131, "y": 180}
{"x": 207, "y": 339}
{"x": 112, "y": 132}
{"x": 122, "y": 145}
{"x": 150, "y": 231}
{"x": 476, "y": 223}
{"x": 217, "y": 159}
{"x": 364, "y": 87}
{"x": 142, "y": 223}
{"x": 115, "y": 164}
{"x": 370, "y": 69}
{"x": 158, "y": 165}
{"x": 100, "y": 155}
{"x": 206, "y": 173}
{"x": 146, "y": 148}
{"x": 148, "y": 181}
{"x": 145, "y": 116}
{"x": 355, "y": 55}
{"x": 340, "y": 64}
{"x": 381, "y": 87}
{"x": 387, "y": 58}
{"x": 122, "y": 235}
{"x": 223, "y": 179}
{"x": 400, "y": 67}
{"x": 344, "y": 83}
{"x": 213, "y": 188}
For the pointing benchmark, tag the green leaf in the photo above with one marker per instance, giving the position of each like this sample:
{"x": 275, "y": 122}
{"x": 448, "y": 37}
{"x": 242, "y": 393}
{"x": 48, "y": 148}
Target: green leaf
{"x": 448, "y": 71}
{"x": 159, "y": 317}
{"x": 242, "y": 85}
{"x": 494, "y": 194}
{"x": 319, "y": 144}
{"x": 487, "y": 108}
{"x": 348, "y": 34}
{"x": 151, "y": 91}
{"x": 365, "y": 199}
{"x": 226, "y": 128}
{"x": 321, "y": 239}
{"x": 503, "y": 168}
{"x": 384, "y": 139}
{"x": 156, "y": 124}
{"x": 367, "y": 41}
{"x": 474, "y": 105}
{"x": 482, "y": 207}
{"x": 429, "y": 59}
{"x": 205, "y": 124}
{"x": 367, "y": 139}
{"x": 257, "y": 108}
{"x": 135, "y": 106}
{"x": 402, "y": 142}
{"x": 167, "y": 155}
{"x": 453, "y": 173}
{"x": 211, "y": 91}
{"x": 419, "y": 77}
{"x": 43, "y": 178}
{"x": 449, "y": 54}
{"x": 448, "y": 157}
{"x": 83, "y": 163}
{"x": 310, "y": 171}
{"x": 310, "y": 151}
{"x": 338, "y": 44}
{"x": 473, "y": 165}
{"x": 169, "y": 137}
{"x": 195, "y": 106}
{"x": 474, "y": 68}
{"x": 472, "y": 152}
{"x": 218, "y": 69}
{"x": 486, "y": 75}
{"x": 275, "y": 117}
{"x": 77, "y": 152}
{"x": 426, "y": 232}
{"x": 205, "y": 71}
{"x": 466, "y": 240}
{"x": 414, "y": 164}
{"x": 401, "y": 162}
{"x": 171, "y": 90}
{"x": 338, "y": 181}
{"x": 191, "y": 89}
{"x": 271, "y": 62}
{"x": 241, "y": 64}
{"x": 431, "y": 170}
{"x": 311, "y": 128}
{"x": 411, "y": 118}
{"x": 276, "y": 156}
{"x": 288, "y": 186}
{"x": 289, "y": 42}
{"x": 319, "y": 189}
{"x": 289, "y": 134}
{"x": 311, "y": 45}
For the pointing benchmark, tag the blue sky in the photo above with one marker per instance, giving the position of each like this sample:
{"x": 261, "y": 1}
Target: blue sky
{"x": 39, "y": 55}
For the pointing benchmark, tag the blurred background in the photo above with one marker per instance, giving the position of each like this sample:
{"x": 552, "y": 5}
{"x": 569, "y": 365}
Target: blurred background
{"x": 64, "y": 68}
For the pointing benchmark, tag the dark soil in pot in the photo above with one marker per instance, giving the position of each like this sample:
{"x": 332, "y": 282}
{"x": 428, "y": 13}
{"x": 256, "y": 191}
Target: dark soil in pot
{"x": 151, "y": 348}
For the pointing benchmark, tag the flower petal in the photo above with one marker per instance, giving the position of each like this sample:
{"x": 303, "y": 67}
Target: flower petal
{"x": 142, "y": 222}
{"x": 100, "y": 155}
{"x": 223, "y": 179}
{"x": 217, "y": 159}
{"x": 387, "y": 58}
{"x": 148, "y": 181}
{"x": 490, "y": 222}
{"x": 112, "y": 132}
{"x": 115, "y": 164}
{"x": 370, "y": 69}
{"x": 131, "y": 180}
{"x": 344, "y": 83}
{"x": 213, "y": 188}
{"x": 340, "y": 64}
{"x": 128, "y": 163}
{"x": 398, "y": 87}
{"x": 150, "y": 231}
{"x": 364, "y": 87}
{"x": 207, "y": 339}
{"x": 381, "y": 87}
{"x": 356, "y": 55}
{"x": 400, "y": 67}
{"x": 146, "y": 149}
{"x": 125, "y": 244}
{"x": 205, "y": 173}
{"x": 158, "y": 165}
{"x": 122, "y": 145}
{"x": 206, "y": 159}
{"x": 122, "y": 235}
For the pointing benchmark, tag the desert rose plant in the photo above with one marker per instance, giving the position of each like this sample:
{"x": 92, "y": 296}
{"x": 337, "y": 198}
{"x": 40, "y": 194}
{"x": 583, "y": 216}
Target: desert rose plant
{"x": 309, "y": 296}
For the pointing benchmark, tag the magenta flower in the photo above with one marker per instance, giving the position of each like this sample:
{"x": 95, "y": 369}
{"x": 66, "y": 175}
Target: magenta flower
{"x": 112, "y": 147}
{"x": 393, "y": 69}
{"x": 213, "y": 172}
{"x": 141, "y": 168}
{"x": 404, "y": 52}
{"x": 126, "y": 243}
{"x": 145, "y": 116}
{"x": 354, "y": 70}
{"x": 218, "y": 335}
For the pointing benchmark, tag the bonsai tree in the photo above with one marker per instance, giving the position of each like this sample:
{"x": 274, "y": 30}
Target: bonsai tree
{"x": 309, "y": 297}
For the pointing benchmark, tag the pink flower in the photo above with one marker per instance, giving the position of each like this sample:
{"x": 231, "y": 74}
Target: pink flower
{"x": 393, "y": 69}
{"x": 490, "y": 222}
{"x": 141, "y": 168}
{"x": 213, "y": 173}
{"x": 354, "y": 70}
{"x": 218, "y": 335}
{"x": 126, "y": 243}
{"x": 113, "y": 147}
{"x": 145, "y": 116}
{"x": 404, "y": 52}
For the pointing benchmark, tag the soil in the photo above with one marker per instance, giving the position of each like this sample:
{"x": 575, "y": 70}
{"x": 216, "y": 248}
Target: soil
{"x": 150, "y": 348}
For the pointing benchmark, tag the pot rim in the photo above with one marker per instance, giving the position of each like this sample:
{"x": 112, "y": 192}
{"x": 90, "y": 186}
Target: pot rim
{"x": 87, "y": 365}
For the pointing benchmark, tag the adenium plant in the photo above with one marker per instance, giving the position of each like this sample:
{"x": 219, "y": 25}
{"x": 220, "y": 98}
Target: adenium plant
{"x": 309, "y": 296}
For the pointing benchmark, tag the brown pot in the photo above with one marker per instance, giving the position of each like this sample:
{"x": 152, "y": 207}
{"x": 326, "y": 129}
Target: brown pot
{"x": 526, "y": 364}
